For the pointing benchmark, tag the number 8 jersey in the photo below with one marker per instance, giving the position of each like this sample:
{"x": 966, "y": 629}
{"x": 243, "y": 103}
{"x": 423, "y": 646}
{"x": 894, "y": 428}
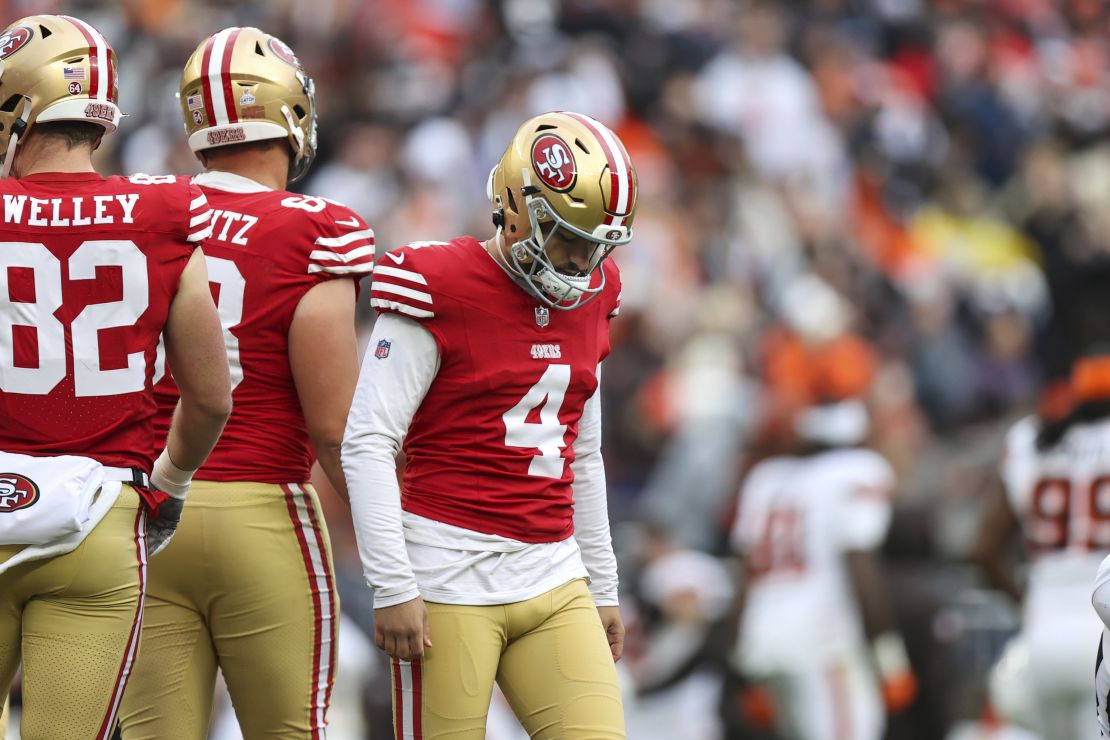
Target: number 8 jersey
{"x": 88, "y": 269}
{"x": 268, "y": 248}
{"x": 490, "y": 447}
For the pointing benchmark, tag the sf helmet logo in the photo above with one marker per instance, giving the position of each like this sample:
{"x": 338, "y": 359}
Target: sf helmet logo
{"x": 14, "y": 40}
{"x": 17, "y": 492}
{"x": 283, "y": 52}
{"x": 554, "y": 162}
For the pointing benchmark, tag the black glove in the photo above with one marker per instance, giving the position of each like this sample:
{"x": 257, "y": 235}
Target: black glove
{"x": 160, "y": 529}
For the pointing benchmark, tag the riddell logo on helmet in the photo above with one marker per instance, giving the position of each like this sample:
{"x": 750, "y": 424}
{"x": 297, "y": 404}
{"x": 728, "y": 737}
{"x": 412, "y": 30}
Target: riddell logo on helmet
{"x": 613, "y": 234}
{"x": 554, "y": 163}
{"x": 17, "y": 492}
{"x": 99, "y": 110}
{"x": 226, "y": 136}
{"x": 14, "y": 40}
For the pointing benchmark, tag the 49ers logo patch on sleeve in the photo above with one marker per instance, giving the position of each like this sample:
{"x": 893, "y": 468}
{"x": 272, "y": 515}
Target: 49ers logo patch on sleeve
{"x": 14, "y": 40}
{"x": 17, "y": 492}
{"x": 554, "y": 162}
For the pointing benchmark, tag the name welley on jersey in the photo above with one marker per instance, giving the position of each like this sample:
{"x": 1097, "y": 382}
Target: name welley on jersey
{"x": 71, "y": 211}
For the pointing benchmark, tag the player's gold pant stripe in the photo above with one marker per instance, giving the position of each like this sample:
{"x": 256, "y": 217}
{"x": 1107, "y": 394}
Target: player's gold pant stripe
{"x": 407, "y": 699}
{"x": 321, "y": 584}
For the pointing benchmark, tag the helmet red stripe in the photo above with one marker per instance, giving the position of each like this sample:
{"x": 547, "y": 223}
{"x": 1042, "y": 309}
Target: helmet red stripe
{"x": 225, "y": 76}
{"x": 615, "y": 184}
{"x": 94, "y": 65}
{"x": 109, "y": 86}
{"x": 205, "y": 81}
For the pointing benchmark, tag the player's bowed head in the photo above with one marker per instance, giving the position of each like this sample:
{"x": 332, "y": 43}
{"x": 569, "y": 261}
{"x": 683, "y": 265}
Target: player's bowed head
{"x": 55, "y": 69}
{"x": 263, "y": 94}
{"x": 564, "y": 196}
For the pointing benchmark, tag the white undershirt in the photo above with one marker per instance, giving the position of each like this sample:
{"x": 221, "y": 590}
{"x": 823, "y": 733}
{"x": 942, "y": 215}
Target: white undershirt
{"x": 405, "y": 555}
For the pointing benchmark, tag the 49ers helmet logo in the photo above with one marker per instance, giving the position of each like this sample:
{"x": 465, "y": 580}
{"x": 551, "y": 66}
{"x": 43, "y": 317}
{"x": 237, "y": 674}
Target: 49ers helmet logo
{"x": 283, "y": 52}
{"x": 14, "y": 40}
{"x": 17, "y": 492}
{"x": 554, "y": 162}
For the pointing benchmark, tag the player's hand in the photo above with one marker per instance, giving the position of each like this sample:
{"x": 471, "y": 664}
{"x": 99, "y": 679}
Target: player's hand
{"x": 614, "y": 629}
{"x": 401, "y": 630}
{"x": 160, "y": 529}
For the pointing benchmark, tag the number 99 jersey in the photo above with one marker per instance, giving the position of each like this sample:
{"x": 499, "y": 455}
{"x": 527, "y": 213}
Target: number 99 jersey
{"x": 268, "y": 248}
{"x": 88, "y": 269}
{"x": 1061, "y": 496}
{"x": 490, "y": 447}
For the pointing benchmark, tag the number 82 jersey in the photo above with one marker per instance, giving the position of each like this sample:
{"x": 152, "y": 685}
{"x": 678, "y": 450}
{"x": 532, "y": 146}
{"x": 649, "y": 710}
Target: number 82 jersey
{"x": 490, "y": 447}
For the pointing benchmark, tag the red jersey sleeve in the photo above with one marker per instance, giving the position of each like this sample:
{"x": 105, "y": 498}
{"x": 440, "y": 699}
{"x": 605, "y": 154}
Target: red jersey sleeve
{"x": 344, "y": 246}
{"x": 200, "y": 216}
{"x": 404, "y": 280}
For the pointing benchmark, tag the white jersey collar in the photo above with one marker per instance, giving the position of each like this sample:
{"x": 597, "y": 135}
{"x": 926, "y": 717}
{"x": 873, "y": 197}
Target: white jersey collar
{"x": 229, "y": 182}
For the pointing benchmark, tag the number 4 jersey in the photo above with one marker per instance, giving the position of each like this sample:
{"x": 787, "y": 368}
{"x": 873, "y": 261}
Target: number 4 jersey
{"x": 88, "y": 269}
{"x": 490, "y": 447}
{"x": 268, "y": 248}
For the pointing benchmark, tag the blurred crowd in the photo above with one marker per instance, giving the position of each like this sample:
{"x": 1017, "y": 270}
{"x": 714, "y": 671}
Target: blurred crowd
{"x": 927, "y": 178}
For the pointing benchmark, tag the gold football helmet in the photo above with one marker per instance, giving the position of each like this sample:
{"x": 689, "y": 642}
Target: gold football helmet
{"x": 54, "y": 68}
{"x": 242, "y": 84}
{"x": 569, "y": 173}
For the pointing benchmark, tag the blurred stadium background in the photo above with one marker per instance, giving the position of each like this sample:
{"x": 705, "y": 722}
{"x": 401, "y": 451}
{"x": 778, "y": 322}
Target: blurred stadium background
{"x": 931, "y": 177}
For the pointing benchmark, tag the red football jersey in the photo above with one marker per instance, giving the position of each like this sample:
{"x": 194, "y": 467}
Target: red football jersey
{"x": 88, "y": 269}
{"x": 267, "y": 249}
{"x": 490, "y": 447}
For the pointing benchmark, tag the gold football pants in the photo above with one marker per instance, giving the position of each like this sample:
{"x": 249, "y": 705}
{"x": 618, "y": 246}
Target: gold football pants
{"x": 74, "y": 619}
{"x": 548, "y": 654}
{"x": 246, "y": 586}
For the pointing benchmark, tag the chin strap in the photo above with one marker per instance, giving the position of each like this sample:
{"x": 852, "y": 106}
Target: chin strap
{"x": 18, "y": 128}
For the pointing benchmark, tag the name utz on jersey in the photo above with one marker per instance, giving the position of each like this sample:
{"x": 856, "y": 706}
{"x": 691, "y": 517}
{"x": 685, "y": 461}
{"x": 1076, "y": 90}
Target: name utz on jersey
{"x": 268, "y": 248}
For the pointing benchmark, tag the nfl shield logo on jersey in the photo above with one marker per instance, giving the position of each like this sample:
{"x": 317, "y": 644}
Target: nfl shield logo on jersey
{"x": 543, "y": 316}
{"x": 382, "y": 350}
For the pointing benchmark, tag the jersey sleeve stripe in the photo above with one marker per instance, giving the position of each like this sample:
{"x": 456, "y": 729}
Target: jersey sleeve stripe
{"x": 418, "y": 295}
{"x": 418, "y": 313}
{"x": 198, "y": 202}
{"x": 409, "y": 275}
{"x": 342, "y": 241}
{"x": 363, "y": 267}
{"x": 352, "y": 256}
{"x": 200, "y": 219}
{"x": 201, "y": 234}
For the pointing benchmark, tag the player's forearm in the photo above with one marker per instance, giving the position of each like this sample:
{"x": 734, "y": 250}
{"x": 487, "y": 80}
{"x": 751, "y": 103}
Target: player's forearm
{"x": 370, "y": 468}
{"x": 328, "y": 454}
{"x": 591, "y": 507}
{"x": 194, "y": 432}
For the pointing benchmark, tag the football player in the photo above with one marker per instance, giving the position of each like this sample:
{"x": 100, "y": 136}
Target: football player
{"x": 815, "y": 630}
{"x": 92, "y": 271}
{"x": 250, "y": 589}
{"x": 483, "y": 368}
{"x": 1055, "y": 492}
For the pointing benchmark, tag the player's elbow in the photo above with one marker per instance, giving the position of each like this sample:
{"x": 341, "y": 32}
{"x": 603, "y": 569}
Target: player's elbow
{"x": 211, "y": 402}
{"x": 327, "y": 443}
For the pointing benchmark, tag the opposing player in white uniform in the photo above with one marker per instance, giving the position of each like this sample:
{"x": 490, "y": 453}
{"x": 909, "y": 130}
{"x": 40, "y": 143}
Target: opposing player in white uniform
{"x": 807, "y": 528}
{"x": 1057, "y": 494}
